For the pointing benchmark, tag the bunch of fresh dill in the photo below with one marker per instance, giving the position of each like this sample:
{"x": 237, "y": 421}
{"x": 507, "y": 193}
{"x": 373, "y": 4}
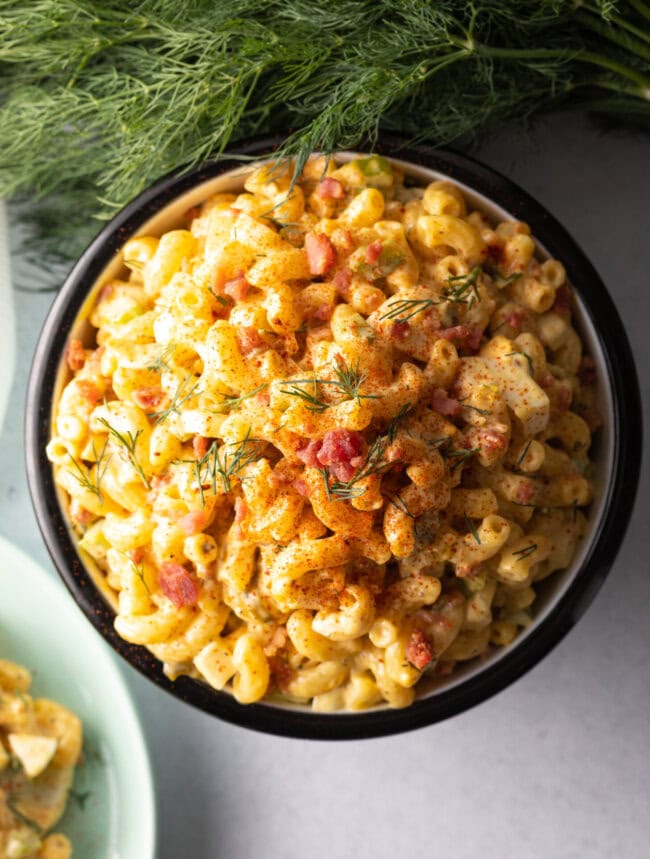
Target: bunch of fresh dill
{"x": 99, "y": 99}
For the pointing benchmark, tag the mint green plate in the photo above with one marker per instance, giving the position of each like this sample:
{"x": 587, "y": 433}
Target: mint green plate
{"x": 111, "y": 814}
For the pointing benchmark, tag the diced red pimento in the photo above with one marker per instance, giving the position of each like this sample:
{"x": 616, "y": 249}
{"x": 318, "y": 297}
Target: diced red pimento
{"x": 373, "y": 252}
{"x": 241, "y": 509}
{"x": 494, "y": 252}
{"x": 445, "y": 405}
{"x": 177, "y": 584}
{"x": 281, "y": 671}
{"x": 75, "y": 355}
{"x": 341, "y": 452}
{"x": 525, "y": 492}
{"x": 321, "y": 253}
{"x": 199, "y": 446}
{"x": 309, "y": 453}
{"x": 330, "y": 189}
{"x": 493, "y": 440}
{"x": 322, "y": 313}
{"x": 514, "y": 318}
{"x": 89, "y": 391}
{"x": 193, "y": 522}
{"x": 546, "y": 379}
{"x": 301, "y": 487}
{"x": 419, "y": 650}
{"x": 399, "y": 330}
{"x": 342, "y": 280}
{"x": 323, "y": 332}
{"x": 471, "y": 334}
{"x": 562, "y": 303}
{"x": 136, "y": 555}
{"x": 249, "y": 339}
{"x": 80, "y": 514}
{"x": 148, "y": 398}
{"x": 237, "y": 288}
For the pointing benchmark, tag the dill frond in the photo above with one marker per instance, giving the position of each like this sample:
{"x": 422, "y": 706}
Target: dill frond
{"x": 83, "y": 475}
{"x": 458, "y": 287}
{"x": 232, "y": 402}
{"x": 128, "y": 441}
{"x": 350, "y": 380}
{"x": 526, "y": 551}
{"x": 311, "y": 400}
{"x": 406, "y": 308}
{"x": 471, "y": 527}
{"x": 373, "y": 464}
{"x": 184, "y": 391}
{"x": 132, "y": 91}
{"x": 222, "y": 464}
{"x": 394, "y": 425}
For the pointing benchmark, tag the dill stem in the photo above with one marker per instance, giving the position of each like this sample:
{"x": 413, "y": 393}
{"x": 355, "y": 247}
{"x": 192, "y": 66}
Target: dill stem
{"x": 620, "y": 22}
{"x": 581, "y": 56}
{"x": 454, "y": 57}
{"x": 641, "y": 8}
{"x": 608, "y": 84}
{"x": 623, "y": 40}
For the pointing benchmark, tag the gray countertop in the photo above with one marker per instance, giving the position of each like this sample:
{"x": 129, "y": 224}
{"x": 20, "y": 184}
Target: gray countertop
{"x": 558, "y": 765}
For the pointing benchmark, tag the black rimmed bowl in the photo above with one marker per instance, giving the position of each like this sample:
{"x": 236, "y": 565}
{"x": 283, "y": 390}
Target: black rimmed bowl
{"x": 561, "y": 599}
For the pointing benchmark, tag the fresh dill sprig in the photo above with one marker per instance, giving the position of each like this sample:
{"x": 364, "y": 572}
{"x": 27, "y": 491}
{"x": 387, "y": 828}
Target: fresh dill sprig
{"x": 232, "y": 402}
{"x": 138, "y": 569}
{"x": 461, "y": 455}
{"x": 398, "y": 502}
{"x": 526, "y": 356}
{"x": 338, "y": 491}
{"x": 128, "y": 441}
{"x": 277, "y": 222}
{"x": 350, "y": 380}
{"x": 184, "y": 391}
{"x": 394, "y": 425}
{"x": 406, "y": 308}
{"x": 26, "y": 821}
{"x": 459, "y": 285}
{"x": 373, "y": 464}
{"x": 348, "y": 383}
{"x": 83, "y": 477}
{"x": 160, "y": 363}
{"x": 471, "y": 527}
{"x": 475, "y": 408}
{"x": 312, "y": 401}
{"x": 522, "y": 455}
{"x": 501, "y": 281}
{"x": 223, "y": 464}
{"x": 526, "y": 551}
{"x": 437, "y": 443}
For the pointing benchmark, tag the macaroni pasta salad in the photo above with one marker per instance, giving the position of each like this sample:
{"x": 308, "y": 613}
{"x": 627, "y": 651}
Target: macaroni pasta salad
{"x": 329, "y": 437}
{"x": 40, "y": 745}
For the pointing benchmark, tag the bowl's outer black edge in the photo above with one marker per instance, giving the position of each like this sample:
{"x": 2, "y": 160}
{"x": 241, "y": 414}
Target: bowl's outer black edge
{"x": 514, "y": 663}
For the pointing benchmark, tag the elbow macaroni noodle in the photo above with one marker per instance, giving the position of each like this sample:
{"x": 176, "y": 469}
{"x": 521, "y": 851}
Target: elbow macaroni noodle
{"x": 328, "y": 438}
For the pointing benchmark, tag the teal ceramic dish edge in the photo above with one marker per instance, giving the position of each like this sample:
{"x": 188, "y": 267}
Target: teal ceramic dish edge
{"x": 111, "y": 813}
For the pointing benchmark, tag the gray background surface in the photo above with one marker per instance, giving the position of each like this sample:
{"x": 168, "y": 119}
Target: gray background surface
{"x": 558, "y": 765}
